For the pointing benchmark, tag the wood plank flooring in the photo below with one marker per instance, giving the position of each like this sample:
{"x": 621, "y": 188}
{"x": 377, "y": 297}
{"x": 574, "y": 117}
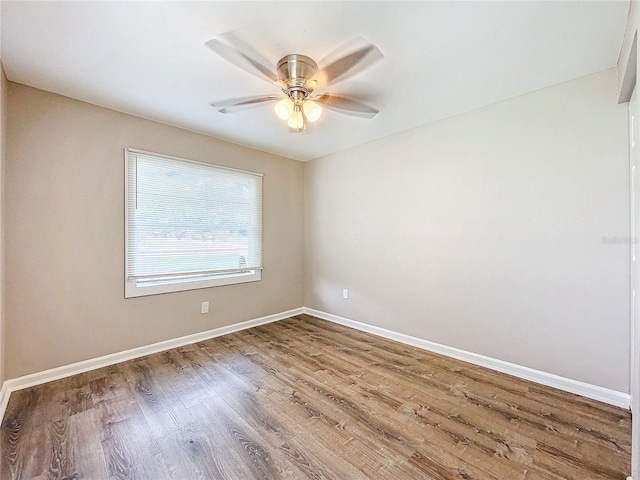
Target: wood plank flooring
{"x": 305, "y": 398}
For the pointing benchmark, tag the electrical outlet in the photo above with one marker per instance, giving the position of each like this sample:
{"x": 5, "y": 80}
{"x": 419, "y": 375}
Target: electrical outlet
{"x": 345, "y": 293}
{"x": 205, "y": 307}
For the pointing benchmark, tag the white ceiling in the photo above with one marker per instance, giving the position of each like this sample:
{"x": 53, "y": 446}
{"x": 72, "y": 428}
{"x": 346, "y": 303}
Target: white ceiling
{"x": 440, "y": 58}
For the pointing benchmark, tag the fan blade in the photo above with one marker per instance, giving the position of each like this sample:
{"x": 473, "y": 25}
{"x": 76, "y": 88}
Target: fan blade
{"x": 235, "y": 51}
{"x": 362, "y": 56}
{"x": 346, "y": 105}
{"x": 244, "y": 103}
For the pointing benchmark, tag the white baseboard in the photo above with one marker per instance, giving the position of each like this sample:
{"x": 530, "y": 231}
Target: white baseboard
{"x": 595, "y": 392}
{"x": 4, "y": 399}
{"x": 80, "y": 367}
{"x": 606, "y": 395}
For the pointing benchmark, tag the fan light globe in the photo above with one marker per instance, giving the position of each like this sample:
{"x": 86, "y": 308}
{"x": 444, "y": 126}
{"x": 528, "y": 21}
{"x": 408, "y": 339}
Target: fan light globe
{"x": 296, "y": 120}
{"x": 312, "y": 110}
{"x": 284, "y": 108}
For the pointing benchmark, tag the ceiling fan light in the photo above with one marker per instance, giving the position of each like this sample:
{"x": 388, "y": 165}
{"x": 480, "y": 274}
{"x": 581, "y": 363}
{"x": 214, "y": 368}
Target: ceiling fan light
{"x": 296, "y": 120}
{"x": 284, "y": 108}
{"x": 312, "y": 110}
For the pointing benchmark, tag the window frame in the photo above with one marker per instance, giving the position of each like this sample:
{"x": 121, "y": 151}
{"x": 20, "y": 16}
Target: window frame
{"x": 135, "y": 288}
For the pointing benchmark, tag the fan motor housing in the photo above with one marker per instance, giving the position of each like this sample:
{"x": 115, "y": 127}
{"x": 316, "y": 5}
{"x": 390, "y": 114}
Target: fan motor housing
{"x": 296, "y": 71}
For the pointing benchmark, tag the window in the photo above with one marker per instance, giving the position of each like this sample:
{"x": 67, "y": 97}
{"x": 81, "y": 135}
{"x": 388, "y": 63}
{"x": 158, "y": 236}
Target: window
{"x": 189, "y": 225}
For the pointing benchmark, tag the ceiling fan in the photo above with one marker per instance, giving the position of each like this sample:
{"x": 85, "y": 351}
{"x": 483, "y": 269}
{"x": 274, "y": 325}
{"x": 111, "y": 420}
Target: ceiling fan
{"x": 297, "y": 76}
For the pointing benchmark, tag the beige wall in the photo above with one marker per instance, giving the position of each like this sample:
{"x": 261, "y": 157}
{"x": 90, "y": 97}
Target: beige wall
{"x": 65, "y": 235}
{"x": 485, "y": 232}
{"x": 3, "y": 142}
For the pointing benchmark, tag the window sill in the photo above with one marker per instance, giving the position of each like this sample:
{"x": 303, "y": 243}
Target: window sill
{"x": 141, "y": 289}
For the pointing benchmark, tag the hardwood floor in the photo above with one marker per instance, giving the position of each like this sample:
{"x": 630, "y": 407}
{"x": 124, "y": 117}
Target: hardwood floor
{"x": 305, "y": 398}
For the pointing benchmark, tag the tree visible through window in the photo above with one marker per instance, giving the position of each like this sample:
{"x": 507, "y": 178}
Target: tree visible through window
{"x": 190, "y": 225}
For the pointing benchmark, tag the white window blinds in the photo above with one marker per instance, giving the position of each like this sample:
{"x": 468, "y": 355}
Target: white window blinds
{"x": 187, "y": 219}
